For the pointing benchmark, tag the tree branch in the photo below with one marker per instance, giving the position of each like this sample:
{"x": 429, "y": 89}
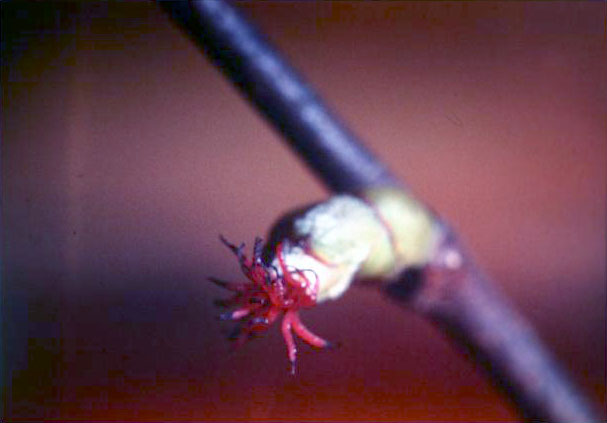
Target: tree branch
{"x": 333, "y": 152}
{"x": 450, "y": 290}
{"x": 453, "y": 293}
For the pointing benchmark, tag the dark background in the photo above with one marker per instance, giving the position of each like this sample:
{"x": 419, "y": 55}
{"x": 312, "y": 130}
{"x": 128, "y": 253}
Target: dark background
{"x": 125, "y": 154}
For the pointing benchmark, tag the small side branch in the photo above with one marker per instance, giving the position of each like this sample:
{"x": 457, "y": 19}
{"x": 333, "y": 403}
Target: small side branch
{"x": 453, "y": 293}
{"x": 266, "y": 79}
{"x": 450, "y": 290}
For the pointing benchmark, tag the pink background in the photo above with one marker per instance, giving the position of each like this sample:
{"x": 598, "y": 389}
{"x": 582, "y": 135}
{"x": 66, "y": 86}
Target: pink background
{"x": 125, "y": 154}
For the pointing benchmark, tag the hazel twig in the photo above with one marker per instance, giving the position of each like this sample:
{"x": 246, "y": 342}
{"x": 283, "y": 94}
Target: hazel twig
{"x": 339, "y": 159}
{"x": 449, "y": 289}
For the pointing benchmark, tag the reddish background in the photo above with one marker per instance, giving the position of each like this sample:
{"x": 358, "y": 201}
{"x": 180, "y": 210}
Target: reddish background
{"x": 125, "y": 154}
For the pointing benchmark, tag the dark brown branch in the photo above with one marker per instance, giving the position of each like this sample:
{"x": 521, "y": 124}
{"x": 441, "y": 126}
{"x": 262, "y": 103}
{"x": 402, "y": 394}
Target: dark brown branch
{"x": 451, "y": 290}
{"x": 264, "y": 77}
{"x": 453, "y": 293}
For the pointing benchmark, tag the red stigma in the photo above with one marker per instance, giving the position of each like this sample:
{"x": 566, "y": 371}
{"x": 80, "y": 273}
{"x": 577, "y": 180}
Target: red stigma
{"x": 269, "y": 293}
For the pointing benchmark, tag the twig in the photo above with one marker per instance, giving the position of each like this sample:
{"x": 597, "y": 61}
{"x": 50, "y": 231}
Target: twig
{"x": 453, "y": 293}
{"x": 333, "y": 152}
{"x": 450, "y": 290}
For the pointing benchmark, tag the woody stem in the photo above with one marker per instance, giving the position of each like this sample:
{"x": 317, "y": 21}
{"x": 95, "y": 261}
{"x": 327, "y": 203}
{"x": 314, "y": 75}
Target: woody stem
{"x": 461, "y": 301}
{"x": 475, "y": 314}
{"x": 336, "y": 155}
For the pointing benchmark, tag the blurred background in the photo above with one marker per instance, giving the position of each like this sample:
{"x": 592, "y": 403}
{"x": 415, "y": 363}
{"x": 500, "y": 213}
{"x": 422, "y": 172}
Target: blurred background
{"x": 125, "y": 153}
